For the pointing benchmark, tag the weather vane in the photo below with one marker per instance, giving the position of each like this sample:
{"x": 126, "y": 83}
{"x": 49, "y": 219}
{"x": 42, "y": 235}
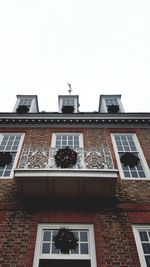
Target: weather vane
{"x": 70, "y": 89}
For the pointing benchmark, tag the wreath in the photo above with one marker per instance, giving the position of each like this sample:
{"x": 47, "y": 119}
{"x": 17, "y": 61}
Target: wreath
{"x": 65, "y": 240}
{"x": 22, "y": 109}
{"x": 129, "y": 159}
{"x": 67, "y": 109}
{"x": 65, "y": 158}
{"x": 5, "y": 158}
{"x": 113, "y": 108}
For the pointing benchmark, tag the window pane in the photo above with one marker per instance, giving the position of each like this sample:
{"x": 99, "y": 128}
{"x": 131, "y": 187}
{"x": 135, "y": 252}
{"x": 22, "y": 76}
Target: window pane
{"x": 141, "y": 174}
{"x": 146, "y": 248}
{"x": 46, "y": 248}
{"x": 134, "y": 174}
{"x": 64, "y": 137}
{"x": 143, "y": 236}
{"x": 83, "y": 236}
{"x": 6, "y": 173}
{"x": 127, "y": 174}
{"x": 84, "y": 248}
{"x": 54, "y": 249}
{"x": 147, "y": 258}
{"x": 47, "y": 236}
{"x": 75, "y": 251}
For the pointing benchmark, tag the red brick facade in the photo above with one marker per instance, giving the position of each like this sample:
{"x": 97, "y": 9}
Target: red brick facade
{"x": 114, "y": 239}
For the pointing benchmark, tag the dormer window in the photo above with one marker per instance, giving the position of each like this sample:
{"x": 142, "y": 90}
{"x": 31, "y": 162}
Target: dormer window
{"x": 68, "y": 104}
{"x": 26, "y": 104}
{"x": 110, "y": 104}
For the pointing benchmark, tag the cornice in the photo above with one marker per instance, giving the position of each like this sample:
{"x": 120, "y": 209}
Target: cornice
{"x": 76, "y": 119}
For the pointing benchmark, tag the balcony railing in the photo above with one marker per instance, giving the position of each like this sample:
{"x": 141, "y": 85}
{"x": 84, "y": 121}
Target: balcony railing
{"x": 92, "y": 176}
{"x": 92, "y": 158}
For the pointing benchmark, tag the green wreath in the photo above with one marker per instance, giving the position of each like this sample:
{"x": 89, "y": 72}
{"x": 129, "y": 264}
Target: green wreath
{"x": 5, "y": 158}
{"x": 67, "y": 109}
{"x": 65, "y": 240}
{"x": 129, "y": 159}
{"x": 113, "y": 108}
{"x": 22, "y": 109}
{"x": 65, "y": 158}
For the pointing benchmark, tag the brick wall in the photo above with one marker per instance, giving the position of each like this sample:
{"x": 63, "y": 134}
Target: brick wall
{"x": 114, "y": 239}
{"x": 115, "y": 245}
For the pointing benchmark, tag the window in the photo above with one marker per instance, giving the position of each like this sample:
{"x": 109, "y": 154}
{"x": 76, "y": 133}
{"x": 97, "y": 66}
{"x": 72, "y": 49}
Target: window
{"x": 110, "y": 104}
{"x": 67, "y": 140}
{"x": 9, "y": 142}
{"x": 111, "y": 101}
{"x": 25, "y": 102}
{"x": 142, "y": 238}
{"x": 68, "y": 102}
{"x": 129, "y": 143}
{"x": 46, "y": 254}
{"x": 73, "y": 141}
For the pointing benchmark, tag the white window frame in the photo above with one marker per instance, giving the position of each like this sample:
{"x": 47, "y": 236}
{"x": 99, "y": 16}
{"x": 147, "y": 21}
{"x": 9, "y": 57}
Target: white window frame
{"x": 69, "y": 99}
{"x": 136, "y": 229}
{"x": 26, "y": 101}
{"x": 142, "y": 157}
{"x": 104, "y": 105}
{"x": 67, "y": 133}
{"x": 17, "y": 154}
{"x": 114, "y": 101}
{"x": 32, "y": 107}
{"x": 80, "y": 161}
{"x": 91, "y": 256}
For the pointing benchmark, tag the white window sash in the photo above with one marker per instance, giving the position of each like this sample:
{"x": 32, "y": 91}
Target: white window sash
{"x": 53, "y": 144}
{"x": 91, "y": 256}
{"x": 140, "y": 152}
{"x": 17, "y": 152}
{"x": 136, "y": 229}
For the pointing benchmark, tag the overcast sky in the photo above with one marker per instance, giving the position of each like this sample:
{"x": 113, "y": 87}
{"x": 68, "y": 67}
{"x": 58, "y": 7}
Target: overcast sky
{"x": 99, "y": 46}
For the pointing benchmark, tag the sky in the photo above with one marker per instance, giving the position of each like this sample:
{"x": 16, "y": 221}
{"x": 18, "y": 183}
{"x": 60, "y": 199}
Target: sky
{"x": 98, "y": 46}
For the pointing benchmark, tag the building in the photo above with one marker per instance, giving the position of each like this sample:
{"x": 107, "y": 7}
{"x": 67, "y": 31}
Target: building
{"x": 74, "y": 186}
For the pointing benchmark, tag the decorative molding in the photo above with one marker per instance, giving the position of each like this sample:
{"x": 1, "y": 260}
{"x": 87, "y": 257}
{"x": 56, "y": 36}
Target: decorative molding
{"x": 90, "y": 119}
{"x": 92, "y": 158}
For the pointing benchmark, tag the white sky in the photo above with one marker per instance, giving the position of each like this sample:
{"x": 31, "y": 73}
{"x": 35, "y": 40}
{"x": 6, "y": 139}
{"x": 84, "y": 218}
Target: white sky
{"x": 99, "y": 46}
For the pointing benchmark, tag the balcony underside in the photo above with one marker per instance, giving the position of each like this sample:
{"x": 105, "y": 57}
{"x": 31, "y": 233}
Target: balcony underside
{"x": 66, "y": 183}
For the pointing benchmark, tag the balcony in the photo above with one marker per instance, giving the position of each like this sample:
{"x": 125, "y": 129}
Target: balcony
{"x": 93, "y": 175}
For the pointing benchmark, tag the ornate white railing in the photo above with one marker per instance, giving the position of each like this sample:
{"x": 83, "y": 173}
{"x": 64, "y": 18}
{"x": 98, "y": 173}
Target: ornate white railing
{"x": 92, "y": 158}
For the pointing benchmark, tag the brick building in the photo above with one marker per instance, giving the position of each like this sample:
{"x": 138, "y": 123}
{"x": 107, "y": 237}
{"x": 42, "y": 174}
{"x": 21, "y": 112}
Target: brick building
{"x": 77, "y": 176}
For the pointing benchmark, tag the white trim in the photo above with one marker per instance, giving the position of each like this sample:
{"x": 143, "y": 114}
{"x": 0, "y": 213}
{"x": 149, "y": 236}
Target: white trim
{"x": 61, "y": 173}
{"x": 103, "y": 107}
{"x": 68, "y": 97}
{"x": 17, "y": 154}
{"x": 136, "y": 229}
{"x": 33, "y": 107}
{"x": 91, "y": 256}
{"x": 53, "y": 143}
{"x": 142, "y": 157}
